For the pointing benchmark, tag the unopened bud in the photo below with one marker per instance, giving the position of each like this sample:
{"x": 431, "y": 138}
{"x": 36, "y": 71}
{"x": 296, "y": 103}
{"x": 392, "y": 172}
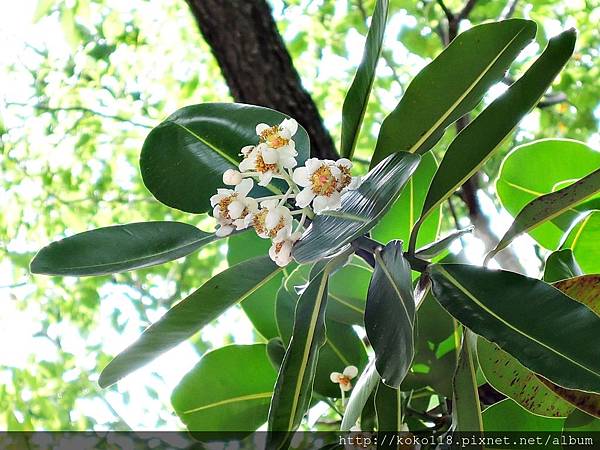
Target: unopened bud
{"x": 232, "y": 177}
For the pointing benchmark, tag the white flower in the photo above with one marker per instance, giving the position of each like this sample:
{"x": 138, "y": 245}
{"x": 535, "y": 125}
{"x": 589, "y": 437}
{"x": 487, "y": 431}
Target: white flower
{"x": 254, "y": 161}
{"x": 271, "y": 221}
{"x": 343, "y": 379}
{"x": 323, "y": 181}
{"x": 280, "y": 148}
{"x": 281, "y": 250}
{"x": 232, "y": 177}
{"x": 231, "y": 207}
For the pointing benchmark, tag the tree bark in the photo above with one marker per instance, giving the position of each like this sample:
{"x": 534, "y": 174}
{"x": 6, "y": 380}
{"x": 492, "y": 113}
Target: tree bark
{"x": 256, "y": 65}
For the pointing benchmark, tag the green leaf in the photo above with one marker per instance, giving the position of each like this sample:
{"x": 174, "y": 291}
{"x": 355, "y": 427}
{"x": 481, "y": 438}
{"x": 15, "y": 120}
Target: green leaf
{"x": 507, "y": 415}
{"x": 549, "y": 206}
{"x": 483, "y": 136}
{"x": 514, "y": 380}
{"x": 547, "y": 331}
{"x": 260, "y": 306}
{"x": 388, "y": 404}
{"x": 583, "y": 241}
{"x": 276, "y": 351}
{"x": 360, "y": 395}
{"x": 357, "y": 97}
{"x": 119, "y": 248}
{"x": 466, "y": 412}
{"x": 451, "y": 85}
{"x": 218, "y": 395}
{"x": 292, "y": 393}
{"x": 183, "y": 158}
{"x": 398, "y": 222}
{"x": 348, "y": 292}
{"x": 360, "y": 211}
{"x": 550, "y": 164}
{"x": 342, "y": 347}
{"x": 434, "y": 249}
{"x": 561, "y": 265}
{"x": 581, "y": 422}
{"x": 390, "y": 314}
{"x": 191, "y": 314}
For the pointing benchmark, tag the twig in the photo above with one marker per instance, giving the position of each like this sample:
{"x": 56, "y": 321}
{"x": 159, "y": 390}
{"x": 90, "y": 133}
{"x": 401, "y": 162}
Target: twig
{"x": 509, "y": 9}
{"x": 449, "y": 14}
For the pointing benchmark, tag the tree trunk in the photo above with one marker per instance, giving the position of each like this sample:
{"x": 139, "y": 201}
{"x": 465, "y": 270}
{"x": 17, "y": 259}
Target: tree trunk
{"x": 256, "y": 65}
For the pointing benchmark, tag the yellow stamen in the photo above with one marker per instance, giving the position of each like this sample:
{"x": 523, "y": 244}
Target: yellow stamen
{"x": 346, "y": 177}
{"x": 323, "y": 182}
{"x": 258, "y": 222}
{"x": 263, "y": 167}
{"x": 224, "y": 205}
{"x": 272, "y": 137}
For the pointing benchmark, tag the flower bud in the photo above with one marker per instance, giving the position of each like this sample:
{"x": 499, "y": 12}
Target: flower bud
{"x": 232, "y": 177}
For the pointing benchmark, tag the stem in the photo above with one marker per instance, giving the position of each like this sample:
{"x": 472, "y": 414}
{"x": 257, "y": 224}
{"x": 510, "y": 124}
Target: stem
{"x": 284, "y": 197}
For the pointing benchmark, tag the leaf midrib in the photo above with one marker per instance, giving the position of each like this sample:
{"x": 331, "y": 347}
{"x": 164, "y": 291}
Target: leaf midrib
{"x": 241, "y": 398}
{"x": 469, "y": 295}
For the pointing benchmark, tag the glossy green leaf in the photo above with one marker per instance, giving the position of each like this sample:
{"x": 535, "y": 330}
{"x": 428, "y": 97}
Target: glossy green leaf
{"x": 436, "y": 350}
{"x": 119, "y": 248}
{"x": 514, "y": 380}
{"x": 466, "y": 411}
{"x": 434, "y": 249}
{"x": 507, "y": 415}
{"x": 499, "y": 305}
{"x": 550, "y": 164}
{"x": 475, "y": 144}
{"x": 581, "y": 422}
{"x": 549, "y": 206}
{"x": 191, "y": 314}
{"x": 360, "y": 211}
{"x": 388, "y": 404}
{"x": 561, "y": 265}
{"x": 292, "y": 393}
{"x": 361, "y": 393}
{"x": 348, "y": 293}
{"x": 276, "y": 352}
{"x": 342, "y": 347}
{"x": 390, "y": 314}
{"x": 260, "y": 306}
{"x": 400, "y": 219}
{"x": 583, "y": 241}
{"x": 451, "y": 85}
{"x": 357, "y": 97}
{"x": 183, "y": 158}
{"x": 206, "y": 400}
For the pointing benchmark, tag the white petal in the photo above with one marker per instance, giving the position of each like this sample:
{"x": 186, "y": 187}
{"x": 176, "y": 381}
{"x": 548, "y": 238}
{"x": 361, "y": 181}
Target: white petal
{"x": 245, "y": 187}
{"x": 290, "y": 125}
{"x": 336, "y": 172}
{"x": 236, "y": 208}
{"x": 346, "y": 386}
{"x": 216, "y": 199}
{"x": 261, "y": 127}
{"x": 335, "y": 201}
{"x": 265, "y": 178}
{"x": 351, "y": 371}
{"x": 288, "y": 162}
{"x": 355, "y": 183}
{"x": 320, "y": 203}
{"x": 313, "y": 164}
{"x": 224, "y": 230}
{"x": 270, "y": 156}
{"x": 344, "y": 162}
{"x": 304, "y": 198}
{"x": 240, "y": 224}
{"x": 283, "y": 234}
{"x": 300, "y": 177}
{"x": 247, "y": 150}
{"x": 251, "y": 204}
{"x": 232, "y": 177}
{"x": 273, "y": 218}
{"x": 269, "y": 204}
{"x": 335, "y": 377}
{"x": 248, "y": 165}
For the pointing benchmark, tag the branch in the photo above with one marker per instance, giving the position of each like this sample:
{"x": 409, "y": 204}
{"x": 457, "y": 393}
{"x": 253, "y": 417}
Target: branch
{"x": 464, "y": 13}
{"x": 509, "y": 9}
{"x": 449, "y": 14}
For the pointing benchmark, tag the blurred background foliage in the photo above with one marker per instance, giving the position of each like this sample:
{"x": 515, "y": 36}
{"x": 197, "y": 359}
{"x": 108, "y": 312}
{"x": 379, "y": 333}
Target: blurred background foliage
{"x": 83, "y": 81}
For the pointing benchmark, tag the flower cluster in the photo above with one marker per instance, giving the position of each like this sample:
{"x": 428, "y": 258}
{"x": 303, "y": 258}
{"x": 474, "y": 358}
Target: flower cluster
{"x": 311, "y": 189}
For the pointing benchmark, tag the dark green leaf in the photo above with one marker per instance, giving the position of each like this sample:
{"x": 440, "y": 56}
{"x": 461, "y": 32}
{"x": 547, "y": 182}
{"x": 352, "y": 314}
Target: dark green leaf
{"x": 551, "y": 164}
{"x": 451, "y": 85}
{"x": 390, "y": 314}
{"x": 547, "y": 331}
{"x": 191, "y": 314}
{"x": 561, "y": 265}
{"x": 398, "y": 222}
{"x": 507, "y": 415}
{"x": 292, "y": 393}
{"x": 276, "y": 352}
{"x": 549, "y": 206}
{"x": 183, "y": 158}
{"x": 357, "y": 97}
{"x": 388, "y": 404}
{"x": 119, "y": 248}
{"x": 360, "y": 211}
{"x": 218, "y": 395}
{"x": 360, "y": 395}
{"x": 466, "y": 411}
{"x": 477, "y": 142}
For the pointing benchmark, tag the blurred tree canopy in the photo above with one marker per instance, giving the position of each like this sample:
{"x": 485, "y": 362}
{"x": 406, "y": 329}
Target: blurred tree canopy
{"x": 82, "y": 88}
